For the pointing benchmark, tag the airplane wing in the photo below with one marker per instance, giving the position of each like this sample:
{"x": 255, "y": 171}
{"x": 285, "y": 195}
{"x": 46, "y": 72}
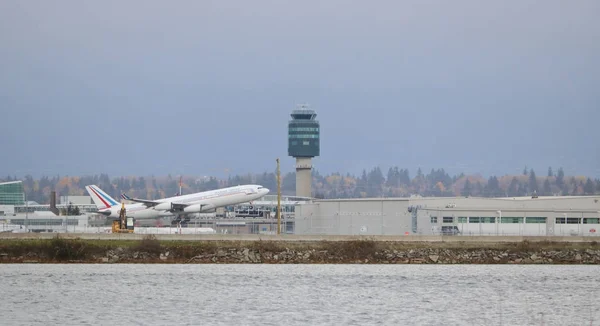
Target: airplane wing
{"x": 151, "y": 203}
{"x": 148, "y": 203}
{"x": 178, "y": 206}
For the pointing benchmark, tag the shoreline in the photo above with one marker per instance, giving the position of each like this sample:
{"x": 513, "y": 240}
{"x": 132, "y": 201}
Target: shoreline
{"x": 151, "y": 250}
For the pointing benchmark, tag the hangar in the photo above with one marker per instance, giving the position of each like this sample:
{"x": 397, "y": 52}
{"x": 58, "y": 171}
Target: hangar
{"x": 570, "y": 215}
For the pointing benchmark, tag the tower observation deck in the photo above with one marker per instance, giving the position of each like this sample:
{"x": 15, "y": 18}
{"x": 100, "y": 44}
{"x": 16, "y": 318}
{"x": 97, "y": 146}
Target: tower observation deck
{"x": 303, "y": 144}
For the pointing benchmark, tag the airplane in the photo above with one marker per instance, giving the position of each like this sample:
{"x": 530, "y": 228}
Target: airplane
{"x": 178, "y": 205}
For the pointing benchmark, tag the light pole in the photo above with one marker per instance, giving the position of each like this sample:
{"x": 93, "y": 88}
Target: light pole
{"x": 498, "y": 221}
{"x": 278, "y": 199}
{"x": 26, "y": 211}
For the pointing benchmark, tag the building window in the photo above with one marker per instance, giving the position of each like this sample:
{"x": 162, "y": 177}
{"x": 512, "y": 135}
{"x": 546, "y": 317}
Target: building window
{"x": 488, "y": 219}
{"x": 294, "y": 143}
{"x": 303, "y": 129}
{"x": 306, "y": 142}
{"x": 448, "y": 219}
{"x": 296, "y": 136}
{"x": 11, "y": 193}
{"x": 511, "y": 220}
{"x": 474, "y": 219}
{"x": 434, "y": 220}
{"x": 540, "y": 220}
{"x": 462, "y": 219}
{"x": 570, "y": 220}
{"x": 585, "y": 220}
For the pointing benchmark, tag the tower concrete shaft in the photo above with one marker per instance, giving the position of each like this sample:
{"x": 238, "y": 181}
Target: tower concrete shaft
{"x": 303, "y": 176}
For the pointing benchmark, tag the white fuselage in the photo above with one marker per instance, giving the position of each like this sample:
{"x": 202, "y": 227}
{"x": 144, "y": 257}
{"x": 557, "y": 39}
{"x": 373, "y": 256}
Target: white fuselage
{"x": 197, "y": 202}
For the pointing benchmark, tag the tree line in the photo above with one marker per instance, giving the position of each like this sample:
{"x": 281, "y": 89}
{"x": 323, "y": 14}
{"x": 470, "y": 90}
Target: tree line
{"x": 397, "y": 182}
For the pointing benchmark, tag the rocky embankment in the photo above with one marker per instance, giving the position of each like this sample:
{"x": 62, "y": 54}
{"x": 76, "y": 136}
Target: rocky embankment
{"x": 273, "y": 252}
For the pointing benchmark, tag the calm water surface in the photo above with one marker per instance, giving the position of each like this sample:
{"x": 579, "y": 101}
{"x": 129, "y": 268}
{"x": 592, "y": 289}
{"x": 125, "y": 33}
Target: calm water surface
{"x": 299, "y": 295}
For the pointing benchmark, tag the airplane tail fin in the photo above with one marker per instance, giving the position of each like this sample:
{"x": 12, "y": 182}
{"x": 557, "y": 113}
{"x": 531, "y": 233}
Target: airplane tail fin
{"x": 100, "y": 198}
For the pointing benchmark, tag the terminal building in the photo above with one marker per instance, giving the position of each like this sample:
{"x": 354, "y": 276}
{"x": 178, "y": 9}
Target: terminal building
{"x": 525, "y": 216}
{"x": 16, "y": 213}
{"x": 11, "y": 193}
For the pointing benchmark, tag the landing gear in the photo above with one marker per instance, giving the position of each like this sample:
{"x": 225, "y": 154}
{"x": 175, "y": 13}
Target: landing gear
{"x": 180, "y": 221}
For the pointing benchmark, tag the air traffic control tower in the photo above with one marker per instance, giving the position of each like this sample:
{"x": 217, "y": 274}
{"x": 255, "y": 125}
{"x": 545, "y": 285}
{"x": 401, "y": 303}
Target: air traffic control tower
{"x": 303, "y": 144}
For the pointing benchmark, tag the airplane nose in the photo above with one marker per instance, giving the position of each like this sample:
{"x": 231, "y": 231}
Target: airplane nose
{"x": 265, "y": 190}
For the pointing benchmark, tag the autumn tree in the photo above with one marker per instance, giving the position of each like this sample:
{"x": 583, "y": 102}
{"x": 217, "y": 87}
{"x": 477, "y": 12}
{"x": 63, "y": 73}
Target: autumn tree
{"x": 513, "y": 188}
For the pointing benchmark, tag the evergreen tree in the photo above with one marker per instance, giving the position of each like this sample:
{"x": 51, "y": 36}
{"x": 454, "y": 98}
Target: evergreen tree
{"x": 171, "y": 188}
{"x": 318, "y": 195}
{"x": 404, "y": 177}
{"x": 362, "y": 182}
{"x": 521, "y": 190}
{"x": 374, "y": 182}
{"x": 141, "y": 184}
{"x": 28, "y": 183}
{"x": 533, "y": 186}
{"x": 492, "y": 189}
{"x": 577, "y": 188}
{"x": 560, "y": 178}
{"x": 393, "y": 177}
{"x": 361, "y": 185}
{"x": 418, "y": 184}
{"x": 478, "y": 189}
{"x": 513, "y": 188}
{"x": 550, "y": 172}
{"x": 212, "y": 183}
{"x": 270, "y": 181}
{"x": 467, "y": 189}
{"x": 547, "y": 188}
{"x": 288, "y": 183}
{"x": 397, "y": 177}
{"x": 588, "y": 188}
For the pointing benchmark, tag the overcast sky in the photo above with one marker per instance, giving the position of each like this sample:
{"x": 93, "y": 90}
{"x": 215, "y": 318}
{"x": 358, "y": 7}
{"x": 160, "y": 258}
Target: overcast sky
{"x": 195, "y": 87}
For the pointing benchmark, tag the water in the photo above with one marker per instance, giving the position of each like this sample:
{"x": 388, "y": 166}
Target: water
{"x": 136, "y": 294}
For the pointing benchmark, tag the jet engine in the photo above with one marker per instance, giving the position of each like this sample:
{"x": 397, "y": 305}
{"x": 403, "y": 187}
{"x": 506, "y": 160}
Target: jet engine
{"x": 163, "y": 207}
{"x": 198, "y": 208}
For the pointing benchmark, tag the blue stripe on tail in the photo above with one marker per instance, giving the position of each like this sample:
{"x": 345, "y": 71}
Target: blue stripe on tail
{"x": 111, "y": 201}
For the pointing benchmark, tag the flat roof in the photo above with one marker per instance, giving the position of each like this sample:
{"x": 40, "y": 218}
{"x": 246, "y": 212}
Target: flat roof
{"x": 454, "y": 198}
{"x": 366, "y": 199}
{"x": 10, "y": 182}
